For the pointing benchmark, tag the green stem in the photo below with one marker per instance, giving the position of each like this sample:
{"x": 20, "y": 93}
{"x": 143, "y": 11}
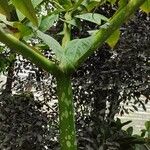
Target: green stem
{"x": 34, "y": 55}
{"x": 66, "y": 30}
{"x": 103, "y": 34}
{"x": 66, "y": 113}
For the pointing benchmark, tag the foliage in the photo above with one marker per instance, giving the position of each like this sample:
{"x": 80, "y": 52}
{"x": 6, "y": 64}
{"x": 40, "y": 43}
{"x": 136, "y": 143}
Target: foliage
{"x": 146, "y": 136}
{"x": 108, "y": 71}
{"x": 31, "y": 127}
{"x": 111, "y": 136}
{"x": 70, "y": 54}
{"x": 5, "y": 59}
{"x": 24, "y": 124}
{"x": 145, "y": 133}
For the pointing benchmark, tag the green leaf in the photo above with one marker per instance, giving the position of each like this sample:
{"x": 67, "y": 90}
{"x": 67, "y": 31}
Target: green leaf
{"x": 113, "y": 39}
{"x": 77, "y": 4}
{"x": 24, "y": 30}
{"x": 20, "y": 15}
{"x": 48, "y": 22}
{"x": 143, "y": 132}
{"x": 67, "y": 4}
{"x": 52, "y": 43}
{"x": 92, "y": 17}
{"x": 4, "y": 8}
{"x": 36, "y": 2}
{"x": 91, "y": 5}
{"x": 122, "y": 3}
{"x": 147, "y": 125}
{"x": 74, "y": 50}
{"x": 1, "y": 49}
{"x": 112, "y": 1}
{"x": 130, "y": 130}
{"x": 72, "y": 22}
{"x": 27, "y": 9}
{"x": 146, "y": 6}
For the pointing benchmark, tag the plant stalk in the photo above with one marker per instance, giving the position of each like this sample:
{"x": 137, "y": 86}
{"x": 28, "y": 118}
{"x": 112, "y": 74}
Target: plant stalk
{"x": 66, "y": 30}
{"x": 28, "y": 52}
{"x": 66, "y": 113}
{"x": 115, "y": 22}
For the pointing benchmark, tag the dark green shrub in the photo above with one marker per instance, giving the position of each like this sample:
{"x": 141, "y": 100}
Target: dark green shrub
{"x": 23, "y": 124}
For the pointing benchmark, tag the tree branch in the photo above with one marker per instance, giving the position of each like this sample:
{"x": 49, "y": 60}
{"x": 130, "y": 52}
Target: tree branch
{"x": 115, "y": 22}
{"x": 29, "y": 53}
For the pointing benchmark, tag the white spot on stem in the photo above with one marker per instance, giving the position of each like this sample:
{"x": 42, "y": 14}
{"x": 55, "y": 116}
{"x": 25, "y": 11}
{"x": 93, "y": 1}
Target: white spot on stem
{"x": 63, "y": 96}
{"x": 69, "y": 137}
{"x": 66, "y": 114}
{"x": 68, "y": 144}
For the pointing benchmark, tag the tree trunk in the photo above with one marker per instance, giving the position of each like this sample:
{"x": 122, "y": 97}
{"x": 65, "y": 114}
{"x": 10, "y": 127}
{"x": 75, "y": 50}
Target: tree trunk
{"x": 10, "y": 75}
{"x": 66, "y": 113}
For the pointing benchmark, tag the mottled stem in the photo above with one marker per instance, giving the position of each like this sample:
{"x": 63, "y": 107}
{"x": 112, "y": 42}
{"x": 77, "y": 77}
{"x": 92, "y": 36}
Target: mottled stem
{"x": 66, "y": 113}
{"x": 66, "y": 30}
{"x": 28, "y": 52}
{"x": 115, "y": 22}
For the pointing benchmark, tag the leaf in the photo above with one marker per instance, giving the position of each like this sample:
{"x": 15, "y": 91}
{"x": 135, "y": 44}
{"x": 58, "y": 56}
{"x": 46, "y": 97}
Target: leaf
{"x": 72, "y": 22}
{"x": 77, "y": 4}
{"x": 91, "y": 5}
{"x": 135, "y": 108}
{"x": 67, "y": 4}
{"x": 27, "y": 9}
{"x": 146, "y": 6}
{"x": 20, "y": 15}
{"x": 48, "y": 22}
{"x": 75, "y": 49}
{"x": 92, "y": 17}
{"x": 4, "y": 8}
{"x": 1, "y": 49}
{"x": 36, "y": 2}
{"x": 113, "y": 39}
{"x": 122, "y": 3}
{"x": 112, "y": 1}
{"x": 52, "y": 43}
{"x": 143, "y": 132}
{"x": 130, "y": 130}
{"x": 24, "y": 30}
{"x": 147, "y": 125}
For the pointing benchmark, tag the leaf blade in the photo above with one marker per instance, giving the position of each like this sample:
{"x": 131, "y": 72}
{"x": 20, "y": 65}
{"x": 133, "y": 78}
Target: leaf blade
{"x": 4, "y": 8}
{"x": 52, "y": 43}
{"x": 74, "y": 50}
{"x": 92, "y": 17}
{"x": 36, "y": 2}
{"x": 146, "y": 6}
{"x": 48, "y": 22}
{"x": 113, "y": 39}
{"x": 27, "y": 9}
